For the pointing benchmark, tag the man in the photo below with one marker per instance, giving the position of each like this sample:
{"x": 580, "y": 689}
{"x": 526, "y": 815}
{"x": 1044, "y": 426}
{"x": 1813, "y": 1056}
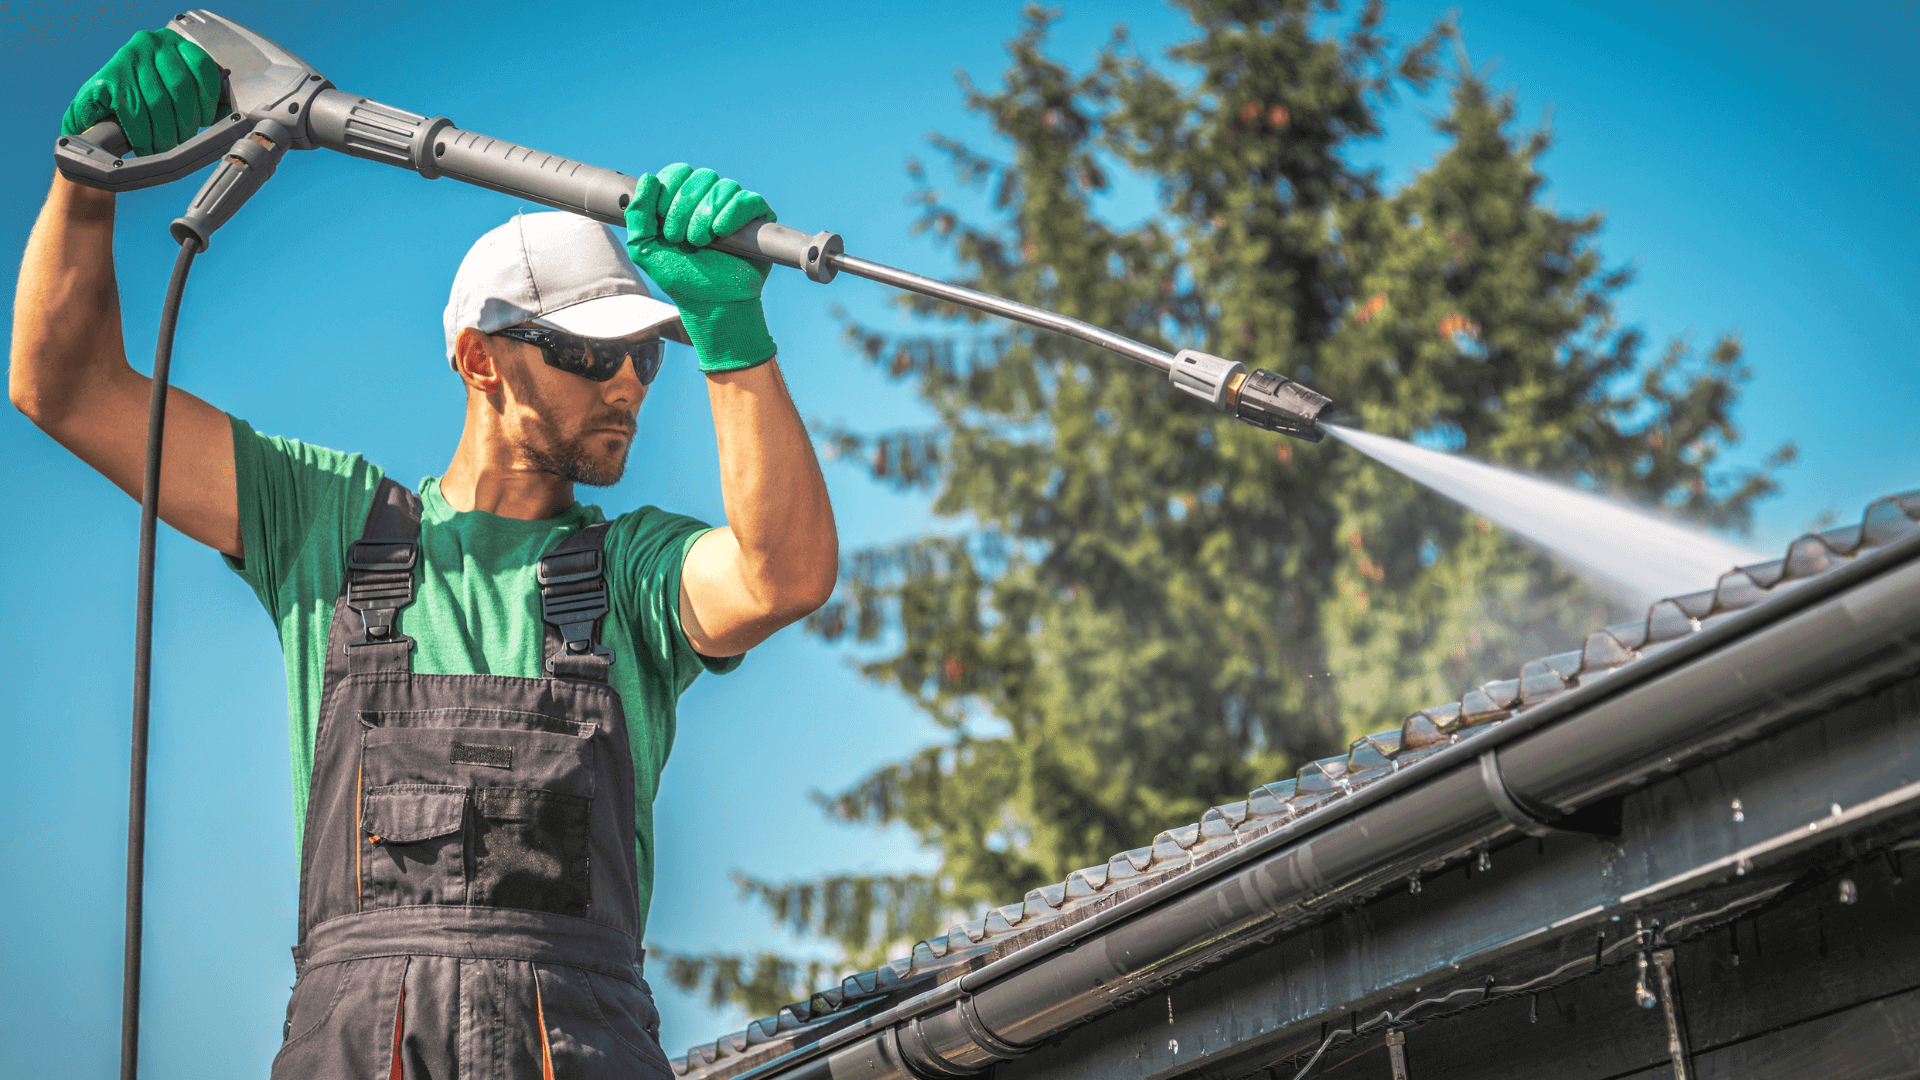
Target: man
{"x": 482, "y": 674}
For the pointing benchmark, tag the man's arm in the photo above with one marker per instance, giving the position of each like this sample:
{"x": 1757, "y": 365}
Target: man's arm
{"x": 70, "y": 374}
{"x": 779, "y": 555}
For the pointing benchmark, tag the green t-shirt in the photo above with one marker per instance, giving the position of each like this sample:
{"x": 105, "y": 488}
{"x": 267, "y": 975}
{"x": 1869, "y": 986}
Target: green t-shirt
{"x": 476, "y": 610}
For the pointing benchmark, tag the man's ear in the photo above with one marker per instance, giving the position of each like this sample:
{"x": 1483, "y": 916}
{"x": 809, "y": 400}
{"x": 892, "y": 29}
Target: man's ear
{"x": 473, "y": 358}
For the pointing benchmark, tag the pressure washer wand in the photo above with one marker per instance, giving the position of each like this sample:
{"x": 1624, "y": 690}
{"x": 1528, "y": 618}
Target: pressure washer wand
{"x": 267, "y": 83}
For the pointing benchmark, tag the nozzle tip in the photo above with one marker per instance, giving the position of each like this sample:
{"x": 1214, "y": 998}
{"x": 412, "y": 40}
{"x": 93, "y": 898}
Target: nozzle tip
{"x": 1277, "y": 403}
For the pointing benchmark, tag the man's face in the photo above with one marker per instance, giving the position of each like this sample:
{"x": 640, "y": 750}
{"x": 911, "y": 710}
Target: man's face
{"x": 566, "y": 424}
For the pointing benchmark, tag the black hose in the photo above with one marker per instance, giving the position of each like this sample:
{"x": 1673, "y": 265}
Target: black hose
{"x": 143, "y": 667}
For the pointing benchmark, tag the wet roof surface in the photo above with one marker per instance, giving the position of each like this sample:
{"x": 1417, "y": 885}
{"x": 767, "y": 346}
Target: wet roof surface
{"x": 1049, "y": 909}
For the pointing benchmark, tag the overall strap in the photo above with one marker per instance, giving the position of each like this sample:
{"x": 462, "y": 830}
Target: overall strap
{"x": 573, "y": 600}
{"x": 380, "y": 567}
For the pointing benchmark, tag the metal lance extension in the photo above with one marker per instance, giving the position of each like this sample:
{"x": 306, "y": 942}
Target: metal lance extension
{"x": 266, "y": 82}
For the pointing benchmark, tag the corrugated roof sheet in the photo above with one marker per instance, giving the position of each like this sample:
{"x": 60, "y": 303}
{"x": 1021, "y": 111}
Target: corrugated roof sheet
{"x": 1045, "y": 910}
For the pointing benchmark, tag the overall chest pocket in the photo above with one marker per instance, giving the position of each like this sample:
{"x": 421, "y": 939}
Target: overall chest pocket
{"x": 485, "y": 807}
{"x": 415, "y": 841}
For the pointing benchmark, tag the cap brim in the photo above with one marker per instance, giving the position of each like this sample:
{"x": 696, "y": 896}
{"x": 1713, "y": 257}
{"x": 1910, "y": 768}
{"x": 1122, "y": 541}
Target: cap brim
{"x": 624, "y": 315}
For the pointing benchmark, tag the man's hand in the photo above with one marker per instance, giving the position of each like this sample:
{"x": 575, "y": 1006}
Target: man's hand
{"x": 161, "y": 88}
{"x": 671, "y": 219}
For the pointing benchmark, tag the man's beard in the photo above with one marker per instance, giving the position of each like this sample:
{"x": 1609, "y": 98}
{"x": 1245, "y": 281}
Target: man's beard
{"x": 570, "y": 460}
{"x": 573, "y": 459}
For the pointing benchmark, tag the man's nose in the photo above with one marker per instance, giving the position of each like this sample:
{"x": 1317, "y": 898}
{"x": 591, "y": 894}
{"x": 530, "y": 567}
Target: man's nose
{"x": 625, "y": 388}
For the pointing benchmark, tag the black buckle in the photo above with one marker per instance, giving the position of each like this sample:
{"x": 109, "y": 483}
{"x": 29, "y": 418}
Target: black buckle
{"x": 386, "y": 555}
{"x": 379, "y": 584}
{"x": 573, "y": 596}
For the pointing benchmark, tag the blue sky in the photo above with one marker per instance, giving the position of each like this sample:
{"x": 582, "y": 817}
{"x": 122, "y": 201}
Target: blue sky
{"x": 1756, "y": 162}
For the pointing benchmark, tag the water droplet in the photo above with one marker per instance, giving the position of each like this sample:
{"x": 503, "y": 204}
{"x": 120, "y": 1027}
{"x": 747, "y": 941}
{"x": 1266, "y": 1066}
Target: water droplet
{"x": 1742, "y": 866}
{"x": 1173, "y": 1045}
{"x": 1643, "y": 997}
{"x": 1849, "y": 892}
{"x": 1485, "y": 862}
{"x": 1836, "y": 811}
{"x": 1413, "y": 886}
{"x": 1739, "y": 812}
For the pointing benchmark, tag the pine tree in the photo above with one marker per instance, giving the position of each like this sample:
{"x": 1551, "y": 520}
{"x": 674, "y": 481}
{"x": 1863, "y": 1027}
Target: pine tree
{"x": 1159, "y": 607}
{"x": 1483, "y": 319}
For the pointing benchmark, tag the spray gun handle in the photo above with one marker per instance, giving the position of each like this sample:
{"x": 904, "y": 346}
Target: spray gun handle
{"x": 247, "y": 163}
{"x": 261, "y": 81}
{"x": 98, "y": 157}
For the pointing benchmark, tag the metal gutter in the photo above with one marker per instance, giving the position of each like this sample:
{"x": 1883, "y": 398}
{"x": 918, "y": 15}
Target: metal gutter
{"x": 1473, "y": 744}
{"x": 1746, "y": 671}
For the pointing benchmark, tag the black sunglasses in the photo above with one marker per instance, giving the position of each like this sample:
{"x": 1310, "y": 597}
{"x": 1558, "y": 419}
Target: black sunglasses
{"x": 599, "y": 359}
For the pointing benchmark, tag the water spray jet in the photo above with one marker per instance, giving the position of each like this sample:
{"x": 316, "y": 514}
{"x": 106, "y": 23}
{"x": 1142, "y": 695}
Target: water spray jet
{"x": 1637, "y": 557}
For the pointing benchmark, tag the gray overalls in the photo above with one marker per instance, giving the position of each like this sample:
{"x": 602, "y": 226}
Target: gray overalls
{"x": 468, "y": 893}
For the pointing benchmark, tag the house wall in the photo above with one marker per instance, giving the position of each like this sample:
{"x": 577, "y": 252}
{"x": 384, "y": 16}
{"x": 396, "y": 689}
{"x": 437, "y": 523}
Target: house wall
{"x": 1821, "y": 989}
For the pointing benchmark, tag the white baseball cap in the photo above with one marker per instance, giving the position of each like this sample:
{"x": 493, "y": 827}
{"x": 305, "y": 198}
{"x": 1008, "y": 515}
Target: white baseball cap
{"x": 563, "y": 270}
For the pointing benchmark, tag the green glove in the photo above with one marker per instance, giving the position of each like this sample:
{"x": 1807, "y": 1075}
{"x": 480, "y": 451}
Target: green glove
{"x": 670, "y": 221}
{"x": 161, "y": 87}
